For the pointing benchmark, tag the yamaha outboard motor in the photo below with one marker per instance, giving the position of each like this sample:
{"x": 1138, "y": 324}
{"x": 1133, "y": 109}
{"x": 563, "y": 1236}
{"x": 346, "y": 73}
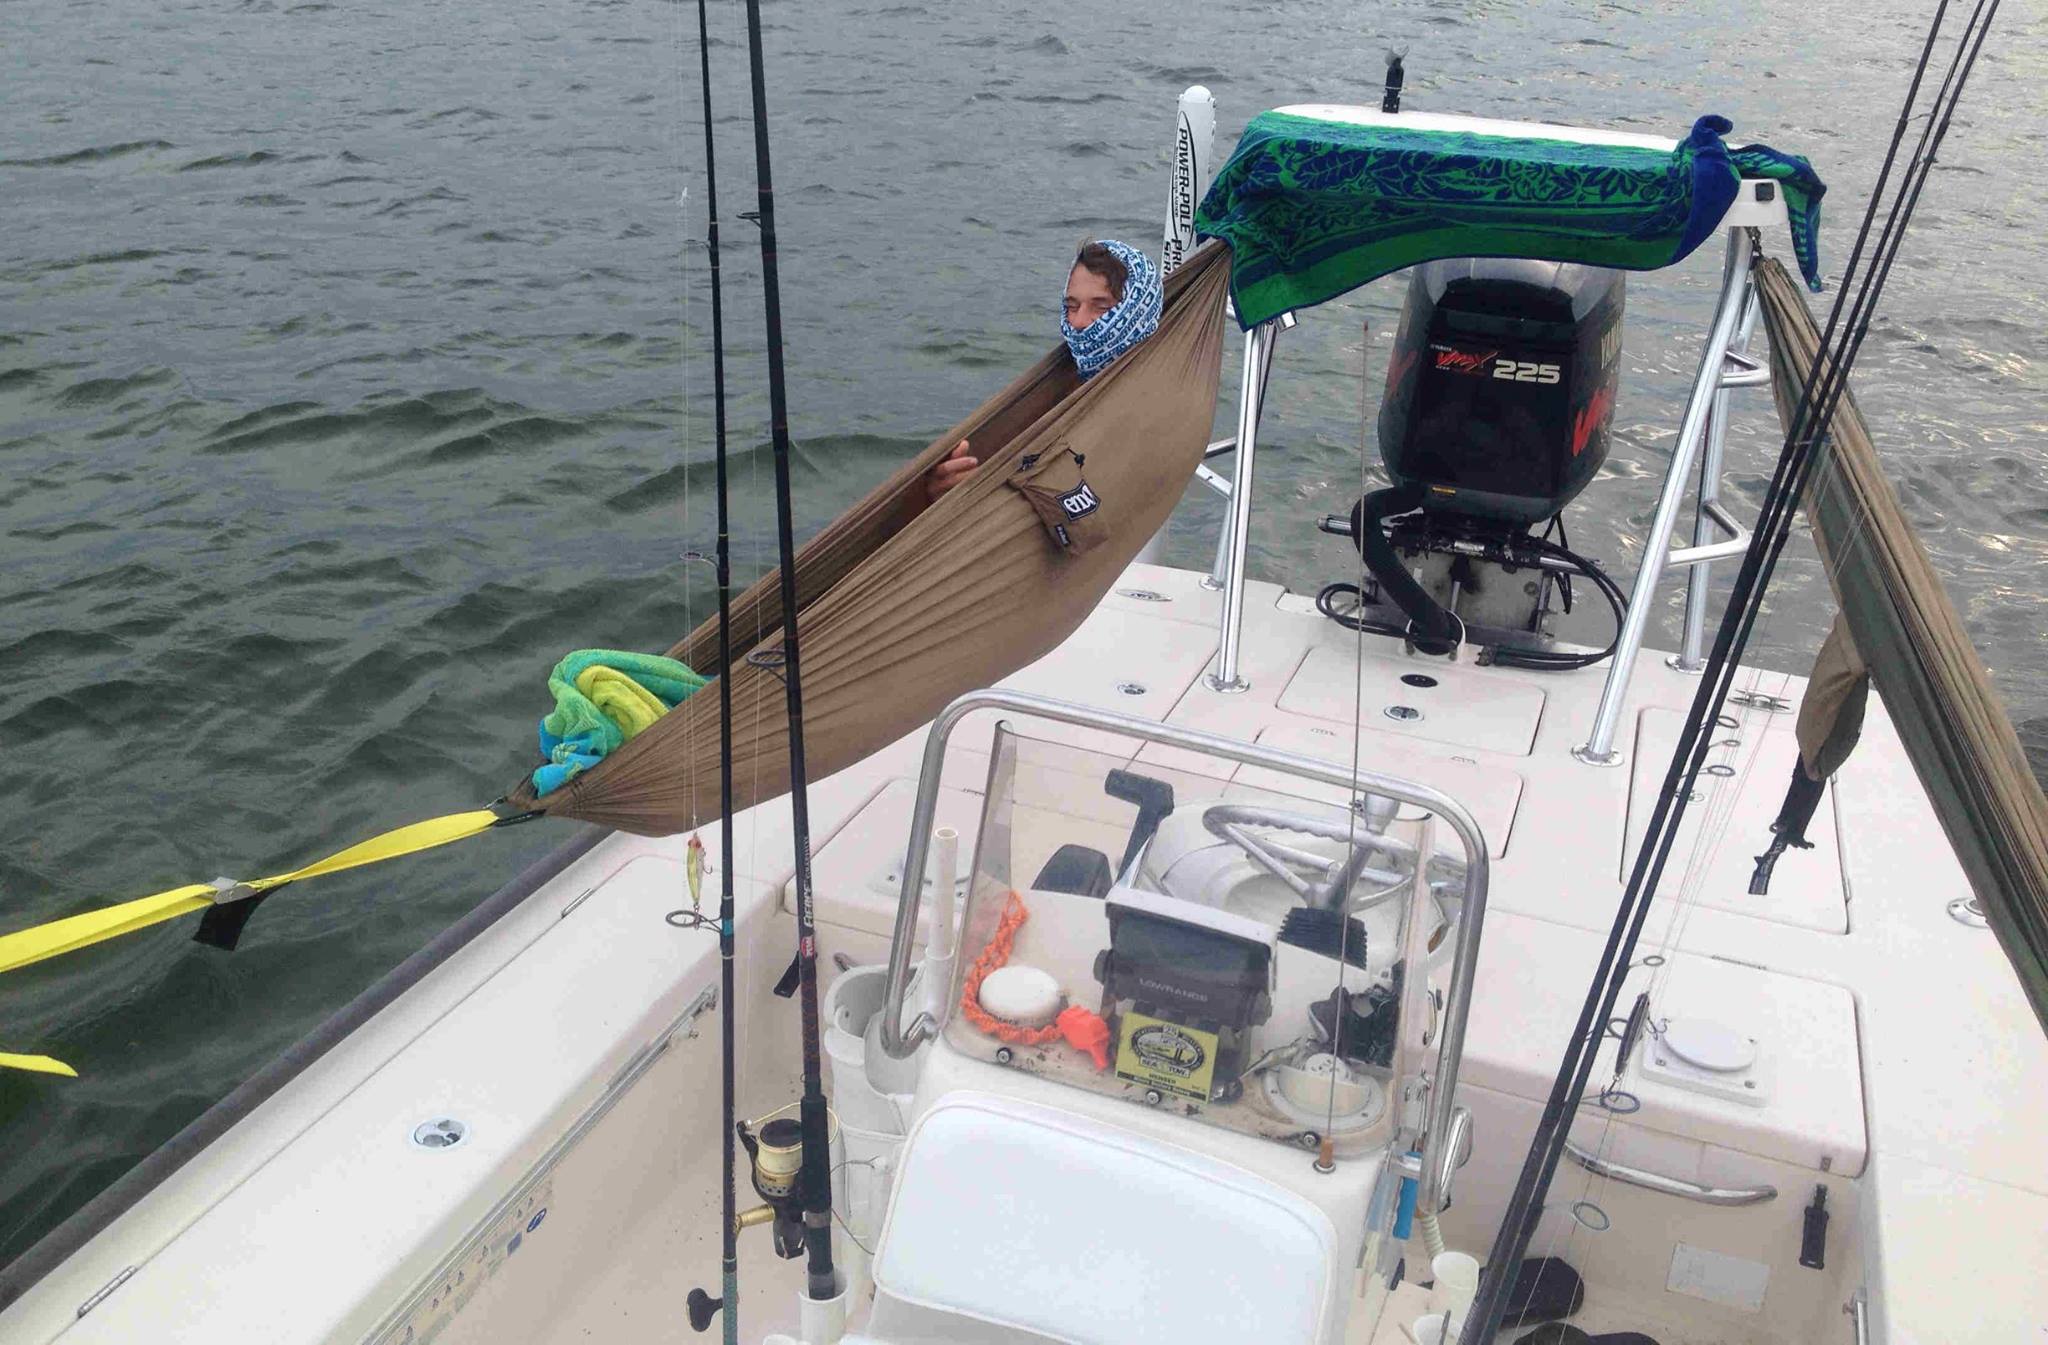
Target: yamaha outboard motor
{"x": 1502, "y": 385}
{"x": 1500, "y": 391}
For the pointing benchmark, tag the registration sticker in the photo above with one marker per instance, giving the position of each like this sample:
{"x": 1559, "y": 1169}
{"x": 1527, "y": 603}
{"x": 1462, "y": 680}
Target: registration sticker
{"x": 1166, "y": 1056}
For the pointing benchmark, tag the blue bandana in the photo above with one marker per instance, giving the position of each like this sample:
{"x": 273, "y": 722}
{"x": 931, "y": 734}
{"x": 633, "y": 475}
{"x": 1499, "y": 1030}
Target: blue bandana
{"x": 1135, "y": 317}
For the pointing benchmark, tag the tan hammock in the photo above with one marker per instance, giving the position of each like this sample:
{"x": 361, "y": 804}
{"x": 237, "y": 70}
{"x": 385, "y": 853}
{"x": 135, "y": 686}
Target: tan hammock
{"x": 902, "y": 610}
{"x": 1898, "y": 623}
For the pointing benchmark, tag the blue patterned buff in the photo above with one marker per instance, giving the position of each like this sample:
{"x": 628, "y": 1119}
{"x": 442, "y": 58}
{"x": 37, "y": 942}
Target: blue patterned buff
{"x": 1135, "y": 317}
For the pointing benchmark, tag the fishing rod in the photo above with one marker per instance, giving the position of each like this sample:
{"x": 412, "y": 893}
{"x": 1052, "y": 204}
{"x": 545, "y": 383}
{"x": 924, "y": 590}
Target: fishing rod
{"x": 701, "y": 1305}
{"x": 1824, "y": 386}
{"x": 815, "y": 1176}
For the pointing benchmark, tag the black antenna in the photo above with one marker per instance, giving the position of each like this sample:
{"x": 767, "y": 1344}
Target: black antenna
{"x": 701, "y": 1305}
{"x": 815, "y": 1177}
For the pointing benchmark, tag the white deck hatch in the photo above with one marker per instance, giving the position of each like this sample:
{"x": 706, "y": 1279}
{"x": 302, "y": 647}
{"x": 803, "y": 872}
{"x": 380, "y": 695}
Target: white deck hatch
{"x": 1729, "y": 825}
{"x": 1442, "y": 702}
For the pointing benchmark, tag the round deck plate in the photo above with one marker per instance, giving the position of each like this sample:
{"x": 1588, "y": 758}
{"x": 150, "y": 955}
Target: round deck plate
{"x": 1709, "y": 1046}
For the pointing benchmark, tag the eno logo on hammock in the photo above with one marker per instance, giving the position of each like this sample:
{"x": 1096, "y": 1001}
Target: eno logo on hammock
{"x": 1080, "y": 501}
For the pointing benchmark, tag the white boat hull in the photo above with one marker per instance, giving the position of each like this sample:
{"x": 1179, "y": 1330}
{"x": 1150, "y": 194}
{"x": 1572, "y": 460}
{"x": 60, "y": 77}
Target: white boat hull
{"x": 574, "y": 1042}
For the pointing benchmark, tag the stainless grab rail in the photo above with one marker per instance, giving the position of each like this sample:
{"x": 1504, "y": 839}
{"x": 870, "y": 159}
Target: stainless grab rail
{"x": 899, "y": 1042}
{"x": 1670, "y": 1186}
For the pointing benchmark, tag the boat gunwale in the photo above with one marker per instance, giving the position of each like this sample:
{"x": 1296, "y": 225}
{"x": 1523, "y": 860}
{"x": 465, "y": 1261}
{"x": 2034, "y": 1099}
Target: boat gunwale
{"x": 128, "y": 1190}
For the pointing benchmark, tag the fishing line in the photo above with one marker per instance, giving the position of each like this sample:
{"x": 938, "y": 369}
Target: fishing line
{"x": 1889, "y": 242}
{"x": 1721, "y": 799}
{"x": 1920, "y": 165}
{"x": 1828, "y": 374}
{"x": 871, "y": 1164}
{"x": 1722, "y": 796}
{"x": 1827, "y": 381}
{"x": 1752, "y": 619}
{"x": 678, "y": 50}
{"x": 1594, "y": 1186}
{"x": 728, "y": 1301}
{"x": 1352, "y": 805}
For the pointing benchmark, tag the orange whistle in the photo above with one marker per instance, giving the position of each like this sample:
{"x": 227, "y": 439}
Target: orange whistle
{"x": 1085, "y": 1030}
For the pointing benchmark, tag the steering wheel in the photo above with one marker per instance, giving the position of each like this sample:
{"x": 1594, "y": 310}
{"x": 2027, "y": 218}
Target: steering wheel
{"x": 1317, "y": 880}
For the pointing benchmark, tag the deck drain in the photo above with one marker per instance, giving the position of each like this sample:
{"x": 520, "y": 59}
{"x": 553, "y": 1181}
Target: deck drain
{"x": 1131, "y": 688}
{"x": 443, "y": 1132}
{"x": 1407, "y": 714}
{"x": 1142, "y": 595}
{"x": 1417, "y": 680}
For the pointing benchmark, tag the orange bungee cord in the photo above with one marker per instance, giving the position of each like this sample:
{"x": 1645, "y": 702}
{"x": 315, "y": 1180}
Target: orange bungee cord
{"x": 993, "y": 958}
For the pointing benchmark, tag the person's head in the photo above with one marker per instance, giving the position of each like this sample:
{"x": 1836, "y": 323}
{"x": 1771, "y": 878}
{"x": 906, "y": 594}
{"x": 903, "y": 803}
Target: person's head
{"x": 1112, "y": 303}
{"x": 1094, "y": 285}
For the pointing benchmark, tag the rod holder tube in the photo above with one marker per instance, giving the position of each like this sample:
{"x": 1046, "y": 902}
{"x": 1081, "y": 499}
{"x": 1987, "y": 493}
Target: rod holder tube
{"x": 1598, "y": 749}
{"x": 939, "y": 934}
{"x": 822, "y": 1317}
{"x": 899, "y": 1041}
{"x": 945, "y": 876}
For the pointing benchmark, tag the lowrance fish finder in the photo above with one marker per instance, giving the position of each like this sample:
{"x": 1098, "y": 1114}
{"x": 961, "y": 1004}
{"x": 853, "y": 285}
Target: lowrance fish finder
{"x": 1182, "y": 984}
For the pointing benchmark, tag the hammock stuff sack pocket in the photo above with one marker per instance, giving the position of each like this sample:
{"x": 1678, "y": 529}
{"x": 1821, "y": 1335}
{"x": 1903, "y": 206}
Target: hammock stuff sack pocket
{"x": 1060, "y": 495}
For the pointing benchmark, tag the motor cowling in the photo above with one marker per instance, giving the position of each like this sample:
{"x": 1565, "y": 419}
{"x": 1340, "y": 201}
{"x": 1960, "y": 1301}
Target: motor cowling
{"x": 1501, "y": 386}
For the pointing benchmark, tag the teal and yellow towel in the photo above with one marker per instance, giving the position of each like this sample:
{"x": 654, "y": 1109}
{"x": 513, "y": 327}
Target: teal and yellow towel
{"x": 603, "y": 697}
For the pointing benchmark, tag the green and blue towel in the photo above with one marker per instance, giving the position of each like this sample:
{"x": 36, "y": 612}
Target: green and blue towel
{"x": 1313, "y": 208}
{"x": 603, "y": 698}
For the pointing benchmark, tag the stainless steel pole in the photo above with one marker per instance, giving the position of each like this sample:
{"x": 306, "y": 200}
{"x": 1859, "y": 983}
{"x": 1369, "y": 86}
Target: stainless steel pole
{"x": 1219, "y": 569}
{"x": 1688, "y": 658}
{"x": 1598, "y": 750}
{"x": 1258, "y": 345}
{"x": 1213, "y": 581}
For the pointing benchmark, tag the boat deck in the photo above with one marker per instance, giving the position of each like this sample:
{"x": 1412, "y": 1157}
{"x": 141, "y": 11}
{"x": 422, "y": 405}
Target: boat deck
{"x": 1897, "y": 1046}
{"x": 574, "y": 1040}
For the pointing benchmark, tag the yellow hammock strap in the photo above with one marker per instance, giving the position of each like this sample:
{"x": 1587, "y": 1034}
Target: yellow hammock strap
{"x": 82, "y": 931}
{"x": 406, "y": 840}
{"x": 32, "y": 945}
{"x": 37, "y": 1064}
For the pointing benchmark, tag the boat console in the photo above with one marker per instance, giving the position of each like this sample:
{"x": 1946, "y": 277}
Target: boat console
{"x": 1248, "y": 1003}
{"x": 1244, "y": 970}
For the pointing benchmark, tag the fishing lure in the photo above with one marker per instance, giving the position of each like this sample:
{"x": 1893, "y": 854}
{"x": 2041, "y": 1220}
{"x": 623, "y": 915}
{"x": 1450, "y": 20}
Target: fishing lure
{"x": 695, "y": 868}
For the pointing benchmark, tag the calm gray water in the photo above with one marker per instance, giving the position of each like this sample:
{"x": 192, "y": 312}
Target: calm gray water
{"x": 352, "y": 368}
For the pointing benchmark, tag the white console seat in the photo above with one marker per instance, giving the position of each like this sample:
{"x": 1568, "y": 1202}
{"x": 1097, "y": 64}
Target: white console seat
{"x": 1012, "y": 1221}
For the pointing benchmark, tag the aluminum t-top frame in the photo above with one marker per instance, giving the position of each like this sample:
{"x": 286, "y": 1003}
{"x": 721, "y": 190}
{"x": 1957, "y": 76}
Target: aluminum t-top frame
{"x": 1724, "y": 365}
